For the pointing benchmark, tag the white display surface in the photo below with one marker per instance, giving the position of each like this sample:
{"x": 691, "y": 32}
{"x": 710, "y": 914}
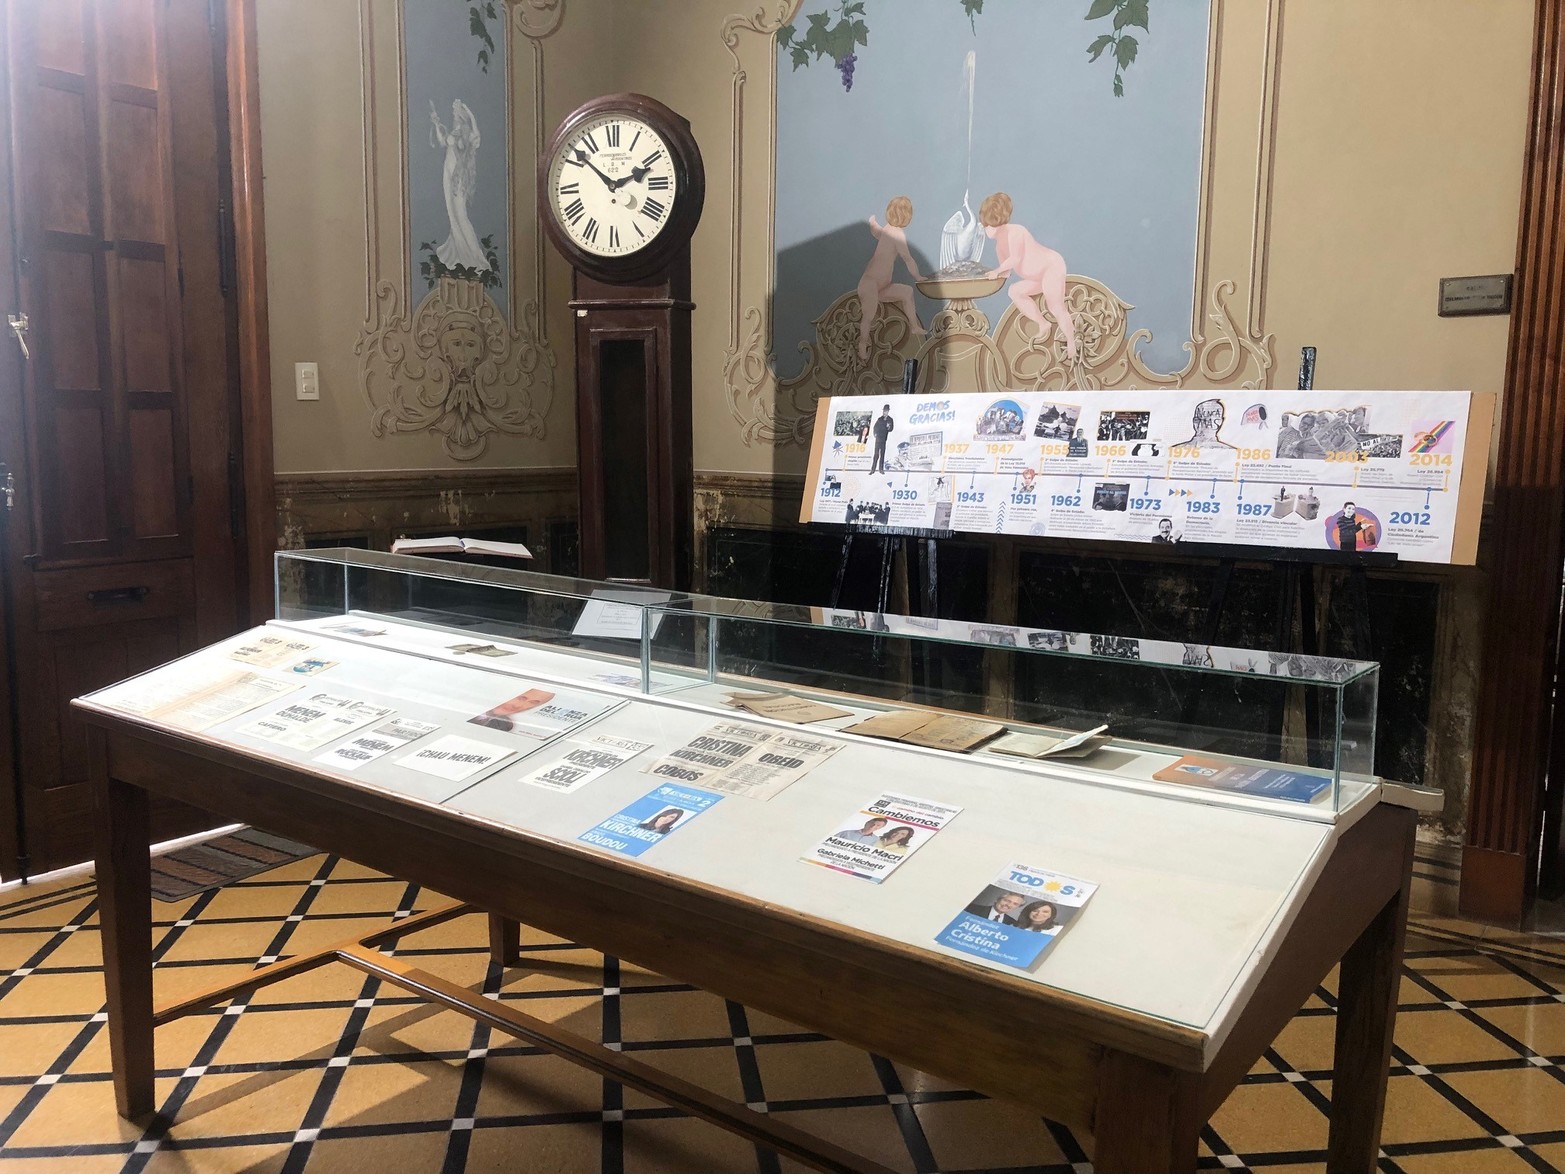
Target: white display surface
{"x": 1318, "y": 470}
{"x": 1190, "y": 892}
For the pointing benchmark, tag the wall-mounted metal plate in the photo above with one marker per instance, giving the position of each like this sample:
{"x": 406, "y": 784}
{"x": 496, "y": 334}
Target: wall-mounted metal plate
{"x": 1462, "y": 297}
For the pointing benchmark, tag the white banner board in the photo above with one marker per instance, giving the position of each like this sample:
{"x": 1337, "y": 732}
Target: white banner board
{"x": 1391, "y": 471}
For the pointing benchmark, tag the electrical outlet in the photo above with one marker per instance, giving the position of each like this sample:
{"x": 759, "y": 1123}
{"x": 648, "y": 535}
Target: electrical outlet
{"x": 307, "y": 380}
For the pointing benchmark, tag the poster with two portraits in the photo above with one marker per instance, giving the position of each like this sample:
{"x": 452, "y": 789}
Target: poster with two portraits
{"x": 1392, "y": 471}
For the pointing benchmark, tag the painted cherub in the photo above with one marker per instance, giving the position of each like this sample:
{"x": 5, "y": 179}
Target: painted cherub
{"x": 876, "y": 285}
{"x": 1038, "y": 269}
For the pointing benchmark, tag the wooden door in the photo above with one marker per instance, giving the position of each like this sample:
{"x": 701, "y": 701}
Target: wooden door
{"x": 122, "y": 543}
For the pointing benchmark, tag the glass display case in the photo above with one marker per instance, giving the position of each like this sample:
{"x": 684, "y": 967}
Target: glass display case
{"x": 1287, "y": 733}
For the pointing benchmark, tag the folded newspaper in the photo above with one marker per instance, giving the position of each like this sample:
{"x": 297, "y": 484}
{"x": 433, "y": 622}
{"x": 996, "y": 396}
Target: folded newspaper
{"x": 740, "y": 759}
{"x": 875, "y": 839}
{"x": 1017, "y": 916}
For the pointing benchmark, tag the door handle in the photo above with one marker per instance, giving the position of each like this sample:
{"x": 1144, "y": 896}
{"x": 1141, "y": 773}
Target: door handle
{"x": 118, "y": 595}
{"x": 20, "y": 327}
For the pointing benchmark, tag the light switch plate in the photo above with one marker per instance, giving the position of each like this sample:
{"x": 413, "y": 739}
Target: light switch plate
{"x": 307, "y": 380}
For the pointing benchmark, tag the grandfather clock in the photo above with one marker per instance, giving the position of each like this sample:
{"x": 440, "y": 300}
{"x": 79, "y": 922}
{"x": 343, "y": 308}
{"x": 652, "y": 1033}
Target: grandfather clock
{"x": 622, "y": 185}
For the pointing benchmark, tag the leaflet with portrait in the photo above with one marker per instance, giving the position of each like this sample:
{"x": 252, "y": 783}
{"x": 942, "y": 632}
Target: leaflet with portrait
{"x": 874, "y": 840}
{"x": 1018, "y": 916}
{"x": 632, "y": 830}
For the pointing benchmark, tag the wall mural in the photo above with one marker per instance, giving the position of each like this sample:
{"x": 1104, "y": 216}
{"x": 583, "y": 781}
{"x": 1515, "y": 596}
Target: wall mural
{"x": 1010, "y": 192}
{"x": 461, "y": 359}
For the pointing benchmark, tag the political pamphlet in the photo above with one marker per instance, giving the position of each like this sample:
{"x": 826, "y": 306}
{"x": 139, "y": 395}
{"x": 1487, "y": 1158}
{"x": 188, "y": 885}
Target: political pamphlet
{"x": 310, "y": 723}
{"x": 741, "y": 759}
{"x": 456, "y": 758}
{"x": 1019, "y": 745}
{"x": 1262, "y": 781}
{"x": 540, "y": 713}
{"x": 194, "y": 700}
{"x": 940, "y": 731}
{"x": 584, "y": 761}
{"x": 267, "y": 652}
{"x": 1017, "y": 916}
{"x": 784, "y": 707}
{"x": 390, "y": 735}
{"x": 881, "y": 835}
{"x": 634, "y": 829}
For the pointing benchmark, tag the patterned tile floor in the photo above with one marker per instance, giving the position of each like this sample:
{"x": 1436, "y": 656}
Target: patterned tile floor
{"x": 331, "y": 1071}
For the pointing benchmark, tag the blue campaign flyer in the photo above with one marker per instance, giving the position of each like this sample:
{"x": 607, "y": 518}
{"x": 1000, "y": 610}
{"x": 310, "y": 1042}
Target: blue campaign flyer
{"x": 633, "y": 830}
{"x": 1018, "y": 916}
{"x": 1265, "y": 781}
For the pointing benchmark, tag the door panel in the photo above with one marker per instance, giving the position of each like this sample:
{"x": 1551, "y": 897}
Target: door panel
{"x": 117, "y": 165}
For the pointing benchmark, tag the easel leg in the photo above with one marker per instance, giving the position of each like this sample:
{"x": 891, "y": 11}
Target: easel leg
{"x": 887, "y": 557}
{"x": 1367, "y": 988}
{"x": 125, "y": 909}
{"x": 842, "y": 570}
{"x": 1147, "y": 1121}
{"x": 505, "y": 940}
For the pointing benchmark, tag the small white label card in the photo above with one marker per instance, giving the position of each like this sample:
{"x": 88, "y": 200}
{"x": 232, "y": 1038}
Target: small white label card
{"x": 456, "y": 758}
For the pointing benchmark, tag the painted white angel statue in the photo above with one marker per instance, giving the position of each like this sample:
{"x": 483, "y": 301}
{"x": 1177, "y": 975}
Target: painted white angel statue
{"x": 460, "y": 143}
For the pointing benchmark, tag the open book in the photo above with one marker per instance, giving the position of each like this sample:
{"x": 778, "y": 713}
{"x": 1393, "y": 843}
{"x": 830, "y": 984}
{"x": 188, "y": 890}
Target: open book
{"x": 460, "y": 546}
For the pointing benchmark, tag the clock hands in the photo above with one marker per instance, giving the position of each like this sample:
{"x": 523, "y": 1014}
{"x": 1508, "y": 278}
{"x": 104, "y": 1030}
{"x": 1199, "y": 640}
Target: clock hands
{"x": 581, "y": 157}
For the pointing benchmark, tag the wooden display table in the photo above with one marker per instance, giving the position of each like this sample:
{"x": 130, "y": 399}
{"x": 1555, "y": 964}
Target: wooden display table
{"x": 1142, "y": 1084}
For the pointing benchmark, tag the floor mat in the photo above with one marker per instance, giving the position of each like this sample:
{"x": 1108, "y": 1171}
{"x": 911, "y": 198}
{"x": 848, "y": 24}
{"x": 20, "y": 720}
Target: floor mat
{"x": 215, "y": 863}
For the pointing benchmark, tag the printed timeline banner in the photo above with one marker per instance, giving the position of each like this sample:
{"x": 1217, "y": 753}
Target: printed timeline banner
{"x": 1337, "y": 470}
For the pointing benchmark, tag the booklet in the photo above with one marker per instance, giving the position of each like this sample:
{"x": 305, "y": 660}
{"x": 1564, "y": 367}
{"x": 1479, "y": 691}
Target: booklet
{"x": 456, "y": 758}
{"x": 1042, "y": 746}
{"x": 372, "y": 744}
{"x": 584, "y": 761}
{"x": 454, "y": 545}
{"x": 875, "y": 839}
{"x": 1017, "y": 916}
{"x": 310, "y": 723}
{"x": 784, "y": 707}
{"x": 634, "y": 829}
{"x": 740, "y": 759}
{"x": 942, "y": 731}
{"x": 1263, "y": 781}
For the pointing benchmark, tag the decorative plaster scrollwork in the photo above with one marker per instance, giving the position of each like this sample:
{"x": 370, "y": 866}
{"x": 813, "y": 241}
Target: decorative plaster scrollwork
{"x": 538, "y": 18}
{"x": 455, "y": 367}
{"x": 959, "y": 354}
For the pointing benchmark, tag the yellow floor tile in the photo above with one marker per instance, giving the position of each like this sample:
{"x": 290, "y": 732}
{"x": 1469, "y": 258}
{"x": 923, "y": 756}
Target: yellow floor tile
{"x": 256, "y": 1037}
{"x": 228, "y": 1159}
{"x": 29, "y": 1048}
{"x": 19, "y": 949}
{"x": 45, "y": 993}
{"x": 791, "y": 1072}
{"x": 1525, "y": 1100}
{"x": 715, "y": 1069}
{"x": 559, "y": 1149}
{"x": 1447, "y": 1037}
{"x": 406, "y": 1151}
{"x": 270, "y": 903}
{"x": 682, "y": 1145}
{"x": 1308, "y": 1043}
{"x": 1259, "y": 1118}
{"x": 51, "y": 915}
{"x": 1473, "y": 977}
{"x": 964, "y": 1134}
{"x": 1496, "y": 1160}
{"x": 1541, "y": 1026}
{"x": 375, "y": 1094}
{"x": 516, "y": 1086}
{"x": 871, "y": 1132}
{"x": 80, "y": 1164}
{"x": 201, "y": 943}
{"x": 1416, "y": 1112}
{"x": 673, "y": 1015}
{"x": 224, "y": 1104}
{"x": 75, "y": 1114}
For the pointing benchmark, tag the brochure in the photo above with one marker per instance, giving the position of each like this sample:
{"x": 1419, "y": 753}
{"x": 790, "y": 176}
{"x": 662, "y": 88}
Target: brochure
{"x": 195, "y": 700}
{"x": 1043, "y": 746}
{"x": 456, "y": 758}
{"x": 740, "y": 759}
{"x": 586, "y": 760}
{"x": 784, "y": 707}
{"x": 881, "y": 835}
{"x": 1263, "y": 781}
{"x": 634, "y": 829}
{"x": 310, "y": 723}
{"x": 372, "y": 744}
{"x": 267, "y": 652}
{"x": 615, "y": 613}
{"x": 1017, "y": 916}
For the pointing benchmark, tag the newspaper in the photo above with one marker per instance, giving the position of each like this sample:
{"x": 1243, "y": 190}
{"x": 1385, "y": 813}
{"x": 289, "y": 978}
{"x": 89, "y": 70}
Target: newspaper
{"x": 1016, "y": 917}
{"x": 584, "y": 761}
{"x": 740, "y": 759}
{"x": 267, "y": 652}
{"x": 195, "y": 700}
{"x": 372, "y": 744}
{"x": 874, "y": 840}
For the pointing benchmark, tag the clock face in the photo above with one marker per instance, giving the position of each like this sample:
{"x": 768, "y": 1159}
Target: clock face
{"x": 612, "y": 185}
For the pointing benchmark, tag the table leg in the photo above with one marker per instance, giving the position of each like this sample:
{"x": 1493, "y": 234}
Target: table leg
{"x": 1147, "y": 1121}
{"x": 1367, "y": 988}
{"x": 505, "y": 940}
{"x": 125, "y": 913}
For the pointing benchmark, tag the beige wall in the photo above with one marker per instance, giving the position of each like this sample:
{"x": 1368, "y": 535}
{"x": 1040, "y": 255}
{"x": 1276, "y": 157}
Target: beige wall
{"x": 1392, "y": 156}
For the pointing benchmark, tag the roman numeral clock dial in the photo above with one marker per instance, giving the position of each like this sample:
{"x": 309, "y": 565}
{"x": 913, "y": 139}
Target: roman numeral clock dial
{"x": 613, "y": 185}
